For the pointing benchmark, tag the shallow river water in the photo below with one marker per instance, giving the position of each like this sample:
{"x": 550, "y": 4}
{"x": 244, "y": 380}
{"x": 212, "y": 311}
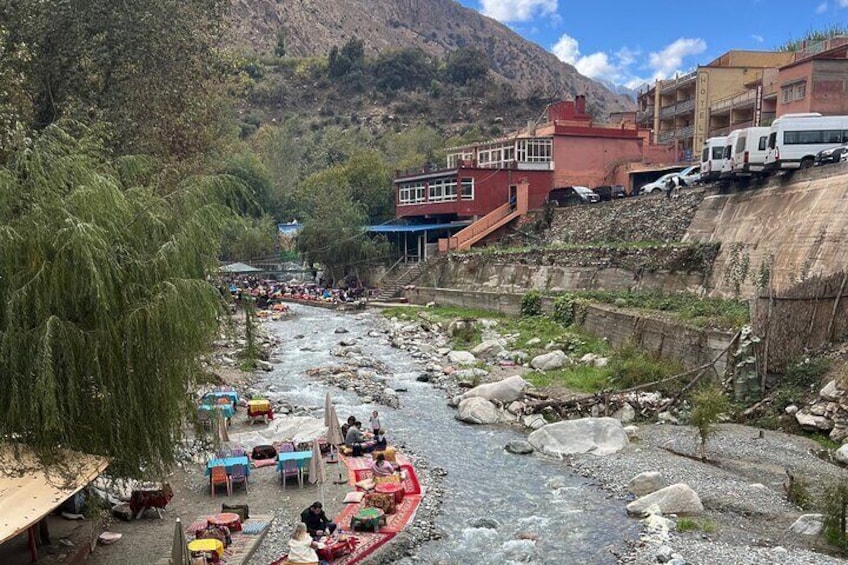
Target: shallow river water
{"x": 577, "y": 522}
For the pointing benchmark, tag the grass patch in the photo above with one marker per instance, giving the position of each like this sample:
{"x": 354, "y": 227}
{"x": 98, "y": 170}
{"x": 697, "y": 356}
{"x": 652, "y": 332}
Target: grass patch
{"x": 825, "y": 441}
{"x": 581, "y": 378}
{"x": 440, "y": 313}
{"x": 691, "y": 525}
{"x": 631, "y": 367}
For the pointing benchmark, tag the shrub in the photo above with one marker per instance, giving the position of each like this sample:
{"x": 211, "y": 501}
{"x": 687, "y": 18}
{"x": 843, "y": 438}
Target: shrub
{"x": 835, "y": 510}
{"x": 807, "y": 372}
{"x": 708, "y": 405}
{"x": 531, "y": 304}
{"x": 564, "y": 309}
{"x": 631, "y": 367}
{"x": 798, "y": 492}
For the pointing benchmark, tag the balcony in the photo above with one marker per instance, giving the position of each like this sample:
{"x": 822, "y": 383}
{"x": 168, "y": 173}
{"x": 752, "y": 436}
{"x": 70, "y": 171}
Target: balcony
{"x": 646, "y": 115}
{"x": 685, "y": 106}
{"x": 684, "y": 80}
{"x": 679, "y": 133}
{"x": 744, "y": 99}
{"x": 667, "y": 112}
{"x": 665, "y": 136}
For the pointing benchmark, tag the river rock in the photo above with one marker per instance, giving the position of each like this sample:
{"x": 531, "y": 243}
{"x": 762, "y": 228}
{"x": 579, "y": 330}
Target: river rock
{"x": 646, "y": 483}
{"x": 534, "y": 421}
{"x": 811, "y": 422}
{"x": 264, "y": 365}
{"x": 841, "y": 454}
{"x": 675, "y": 499}
{"x": 808, "y": 525}
{"x": 486, "y": 523}
{"x": 549, "y": 361}
{"x": 461, "y": 358}
{"x": 625, "y": 414}
{"x": 599, "y": 436}
{"x": 519, "y": 447}
{"x": 504, "y": 391}
{"x": 341, "y": 330}
{"x": 478, "y": 411}
{"x": 831, "y": 392}
{"x": 423, "y": 378}
{"x": 489, "y": 348}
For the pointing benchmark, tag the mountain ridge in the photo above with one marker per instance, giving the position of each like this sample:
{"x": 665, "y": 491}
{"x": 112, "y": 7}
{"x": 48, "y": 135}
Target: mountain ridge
{"x": 311, "y": 27}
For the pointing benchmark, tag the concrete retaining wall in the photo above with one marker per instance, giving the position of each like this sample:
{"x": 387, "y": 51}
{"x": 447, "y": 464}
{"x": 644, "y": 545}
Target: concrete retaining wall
{"x": 669, "y": 339}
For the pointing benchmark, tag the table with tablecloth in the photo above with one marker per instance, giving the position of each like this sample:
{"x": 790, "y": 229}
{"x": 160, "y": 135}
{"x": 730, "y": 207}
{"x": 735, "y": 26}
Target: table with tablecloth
{"x": 396, "y": 490}
{"x": 336, "y": 546}
{"x": 208, "y": 545}
{"x": 229, "y": 520}
{"x": 226, "y": 409}
{"x": 213, "y": 396}
{"x": 257, "y": 408}
{"x": 368, "y": 519}
{"x": 229, "y": 463}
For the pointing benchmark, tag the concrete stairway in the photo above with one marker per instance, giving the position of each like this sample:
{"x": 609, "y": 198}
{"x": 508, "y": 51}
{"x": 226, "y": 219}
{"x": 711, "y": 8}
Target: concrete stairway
{"x": 392, "y": 285}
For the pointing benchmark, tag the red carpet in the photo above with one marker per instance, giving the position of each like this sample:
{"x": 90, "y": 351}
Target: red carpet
{"x": 359, "y": 468}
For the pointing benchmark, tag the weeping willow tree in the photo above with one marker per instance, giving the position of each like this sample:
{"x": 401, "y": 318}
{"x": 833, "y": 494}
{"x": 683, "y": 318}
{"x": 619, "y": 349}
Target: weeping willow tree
{"x": 104, "y": 300}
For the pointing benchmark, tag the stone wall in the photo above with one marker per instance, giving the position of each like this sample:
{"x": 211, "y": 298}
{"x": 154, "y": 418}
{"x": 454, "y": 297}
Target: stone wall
{"x": 796, "y": 227}
{"x": 649, "y": 217}
{"x": 670, "y": 268}
{"x": 666, "y": 338}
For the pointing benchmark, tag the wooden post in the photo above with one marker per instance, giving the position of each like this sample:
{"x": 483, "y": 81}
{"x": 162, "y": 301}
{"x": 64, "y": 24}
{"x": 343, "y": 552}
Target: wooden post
{"x": 815, "y": 309}
{"x": 768, "y": 328}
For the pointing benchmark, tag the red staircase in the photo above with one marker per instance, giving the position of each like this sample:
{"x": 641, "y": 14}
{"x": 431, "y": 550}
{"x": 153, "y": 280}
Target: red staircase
{"x": 488, "y": 224}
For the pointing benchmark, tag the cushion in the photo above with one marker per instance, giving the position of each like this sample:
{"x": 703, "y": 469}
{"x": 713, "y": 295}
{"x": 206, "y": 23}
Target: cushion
{"x": 388, "y": 479}
{"x": 366, "y": 484}
{"x": 355, "y": 497}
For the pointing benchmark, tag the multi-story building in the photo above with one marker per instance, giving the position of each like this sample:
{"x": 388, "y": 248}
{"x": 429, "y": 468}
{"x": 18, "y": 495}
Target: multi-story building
{"x": 678, "y": 110}
{"x": 817, "y": 81}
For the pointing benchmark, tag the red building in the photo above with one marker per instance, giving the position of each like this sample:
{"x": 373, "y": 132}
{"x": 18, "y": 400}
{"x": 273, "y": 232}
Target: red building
{"x": 568, "y": 150}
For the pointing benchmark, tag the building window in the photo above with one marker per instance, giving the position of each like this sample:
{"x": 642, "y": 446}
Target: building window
{"x": 800, "y": 90}
{"x": 794, "y": 91}
{"x": 412, "y": 193}
{"x": 442, "y": 190}
{"x": 534, "y": 150}
{"x": 468, "y": 189}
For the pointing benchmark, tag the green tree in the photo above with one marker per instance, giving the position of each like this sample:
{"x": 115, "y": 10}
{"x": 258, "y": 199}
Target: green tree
{"x": 106, "y": 305}
{"x": 247, "y": 239}
{"x": 814, "y": 35}
{"x": 709, "y": 403}
{"x": 466, "y": 65}
{"x": 370, "y": 184}
{"x": 406, "y": 68}
{"x": 349, "y": 58}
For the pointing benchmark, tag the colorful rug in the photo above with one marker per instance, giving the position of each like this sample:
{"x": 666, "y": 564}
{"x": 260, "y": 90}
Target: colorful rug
{"x": 396, "y": 522}
{"x": 368, "y": 544}
{"x": 410, "y": 483}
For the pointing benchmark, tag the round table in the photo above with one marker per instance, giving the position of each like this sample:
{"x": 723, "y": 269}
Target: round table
{"x": 395, "y": 489}
{"x": 207, "y": 546}
{"x": 229, "y": 520}
{"x": 368, "y": 519}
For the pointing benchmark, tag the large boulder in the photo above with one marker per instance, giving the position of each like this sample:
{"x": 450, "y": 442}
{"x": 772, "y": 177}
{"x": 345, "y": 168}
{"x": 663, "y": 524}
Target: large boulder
{"x": 549, "y": 361}
{"x": 646, "y": 483}
{"x": 489, "y": 348}
{"x": 505, "y": 391}
{"x": 808, "y": 525}
{"x": 519, "y": 447}
{"x": 599, "y": 436}
{"x": 675, "y": 499}
{"x": 478, "y": 411}
{"x": 841, "y": 454}
{"x": 461, "y": 358}
{"x": 812, "y": 422}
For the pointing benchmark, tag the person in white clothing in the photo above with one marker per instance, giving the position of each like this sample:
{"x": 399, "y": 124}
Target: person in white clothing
{"x": 302, "y": 547}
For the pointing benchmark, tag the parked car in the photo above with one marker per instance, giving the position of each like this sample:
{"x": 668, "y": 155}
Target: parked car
{"x": 572, "y": 195}
{"x": 691, "y": 175}
{"x": 659, "y": 184}
{"x": 832, "y": 155}
{"x": 610, "y": 192}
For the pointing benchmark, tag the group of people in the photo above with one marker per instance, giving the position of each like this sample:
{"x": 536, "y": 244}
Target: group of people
{"x": 360, "y": 441}
{"x": 267, "y": 291}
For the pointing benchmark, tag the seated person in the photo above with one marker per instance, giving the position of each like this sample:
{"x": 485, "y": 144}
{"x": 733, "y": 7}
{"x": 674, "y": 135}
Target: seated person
{"x": 302, "y": 547}
{"x": 380, "y": 442}
{"x": 317, "y": 523}
{"x": 382, "y": 468}
{"x": 357, "y": 440}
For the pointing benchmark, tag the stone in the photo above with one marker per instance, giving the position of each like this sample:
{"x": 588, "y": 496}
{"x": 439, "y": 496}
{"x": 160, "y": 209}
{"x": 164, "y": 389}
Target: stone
{"x": 505, "y": 391}
{"x": 831, "y": 392}
{"x": 443, "y": 350}
{"x": 632, "y": 432}
{"x": 264, "y": 365}
{"x": 487, "y": 523}
{"x": 625, "y": 414}
{"x": 646, "y": 483}
{"x": 533, "y": 341}
{"x": 341, "y": 330}
{"x": 601, "y": 362}
{"x": 520, "y": 357}
{"x": 838, "y": 433}
{"x": 549, "y": 361}
{"x": 478, "y": 410}
{"x": 598, "y": 436}
{"x": 841, "y": 455}
{"x": 519, "y": 447}
{"x": 427, "y": 348}
{"x": 533, "y": 536}
{"x": 534, "y": 421}
{"x": 791, "y": 409}
{"x": 461, "y": 358}
{"x": 423, "y": 378}
{"x": 813, "y": 422}
{"x": 664, "y": 554}
{"x": 667, "y": 418}
{"x": 818, "y": 410}
{"x": 675, "y": 499}
{"x": 488, "y": 348}
{"x": 122, "y": 511}
{"x": 515, "y": 408}
{"x": 808, "y": 525}
{"x": 347, "y": 342}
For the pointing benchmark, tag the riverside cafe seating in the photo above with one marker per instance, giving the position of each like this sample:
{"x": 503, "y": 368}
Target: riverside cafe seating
{"x": 222, "y": 400}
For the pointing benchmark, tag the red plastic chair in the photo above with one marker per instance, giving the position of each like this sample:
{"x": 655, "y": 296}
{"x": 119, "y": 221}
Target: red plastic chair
{"x": 218, "y": 476}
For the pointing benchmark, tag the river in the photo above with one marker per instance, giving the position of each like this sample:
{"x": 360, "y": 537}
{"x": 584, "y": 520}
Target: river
{"x": 577, "y": 522}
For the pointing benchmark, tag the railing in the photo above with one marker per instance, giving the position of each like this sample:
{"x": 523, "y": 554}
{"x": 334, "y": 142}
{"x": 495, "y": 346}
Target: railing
{"x": 685, "y": 105}
{"x": 684, "y": 132}
{"x": 734, "y": 100}
{"x": 679, "y": 81}
{"x": 665, "y": 136}
{"x": 667, "y": 112}
{"x": 481, "y": 226}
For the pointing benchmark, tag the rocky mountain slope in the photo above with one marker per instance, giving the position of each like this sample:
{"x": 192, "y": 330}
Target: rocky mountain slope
{"x": 311, "y": 27}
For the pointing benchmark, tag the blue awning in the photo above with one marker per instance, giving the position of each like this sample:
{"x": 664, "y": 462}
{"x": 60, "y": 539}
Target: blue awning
{"x": 414, "y": 228}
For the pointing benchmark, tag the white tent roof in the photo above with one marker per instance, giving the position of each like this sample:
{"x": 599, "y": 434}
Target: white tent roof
{"x": 29, "y": 491}
{"x": 239, "y": 268}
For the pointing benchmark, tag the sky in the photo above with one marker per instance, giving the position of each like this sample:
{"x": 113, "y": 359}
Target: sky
{"x": 631, "y": 42}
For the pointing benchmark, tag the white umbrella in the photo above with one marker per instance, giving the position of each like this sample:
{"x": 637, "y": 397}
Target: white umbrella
{"x": 334, "y": 431}
{"x": 327, "y": 405}
{"x": 316, "y": 468}
{"x": 179, "y": 551}
{"x": 221, "y": 423}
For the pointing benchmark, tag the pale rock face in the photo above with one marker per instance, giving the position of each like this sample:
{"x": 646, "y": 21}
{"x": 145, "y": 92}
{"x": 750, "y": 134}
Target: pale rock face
{"x": 808, "y": 525}
{"x": 812, "y": 421}
{"x": 549, "y": 361}
{"x": 478, "y": 411}
{"x": 505, "y": 391}
{"x": 461, "y": 358}
{"x": 646, "y": 483}
{"x": 675, "y": 499}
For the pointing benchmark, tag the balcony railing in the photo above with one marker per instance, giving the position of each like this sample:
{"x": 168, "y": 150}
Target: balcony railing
{"x": 682, "y": 80}
{"x": 684, "y": 132}
{"x": 645, "y": 115}
{"x": 685, "y": 106}
{"x": 743, "y": 99}
{"x": 679, "y": 133}
{"x": 665, "y": 136}
{"x": 667, "y": 112}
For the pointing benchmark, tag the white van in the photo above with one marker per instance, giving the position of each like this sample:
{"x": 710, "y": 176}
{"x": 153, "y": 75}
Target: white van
{"x": 795, "y": 139}
{"x": 749, "y": 153}
{"x": 712, "y": 158}
{"x": 729, "y": 146}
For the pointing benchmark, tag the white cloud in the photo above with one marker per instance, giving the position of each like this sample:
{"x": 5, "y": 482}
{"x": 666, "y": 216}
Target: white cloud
{"x": 843, "y": 3}
{"x": 757, "y": 38}
{"x": 599, "y": 65}
{"x": 670, "y": 60}
{"x": 517, "y": 10}
{"x": 566, "y": 49}
{"x": 822, "y": 8}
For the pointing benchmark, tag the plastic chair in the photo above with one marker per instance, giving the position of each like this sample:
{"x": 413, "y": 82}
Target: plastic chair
{"x": 218, "y": 476}
{"x": 239, "y": 475}
{"x": 238, "y": 451}
{"x": 290, "y": 468}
